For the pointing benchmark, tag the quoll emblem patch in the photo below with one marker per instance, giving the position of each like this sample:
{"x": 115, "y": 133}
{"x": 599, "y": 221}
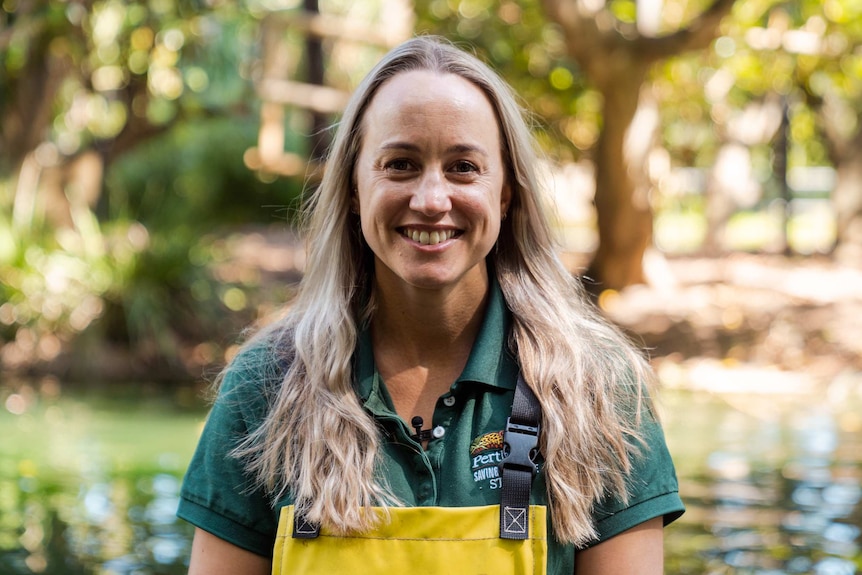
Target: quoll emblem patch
{"x": 485, "y": 442}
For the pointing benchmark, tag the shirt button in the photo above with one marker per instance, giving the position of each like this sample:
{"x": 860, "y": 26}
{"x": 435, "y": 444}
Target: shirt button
{"x": 438, "y": 432}
{"x": 449, "y": 401}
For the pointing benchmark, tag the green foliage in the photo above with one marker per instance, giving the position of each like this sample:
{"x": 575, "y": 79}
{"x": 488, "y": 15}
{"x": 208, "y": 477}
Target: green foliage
{"x": 193, "y": 178}
{"x": 624, "y": 10}
{"x": 530, "y": 53}
{"x": 51, "y": 277}
{"x": 184, "y": 188}
{"x": 160, "y": 90}
{"x": 804, "y": 50}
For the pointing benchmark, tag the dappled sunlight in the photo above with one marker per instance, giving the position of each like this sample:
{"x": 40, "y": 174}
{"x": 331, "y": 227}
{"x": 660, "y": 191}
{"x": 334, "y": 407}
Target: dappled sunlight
{"x": 732, "y": 378}
{"x": 815, "y": 282}
{"x": 764, "y": 324}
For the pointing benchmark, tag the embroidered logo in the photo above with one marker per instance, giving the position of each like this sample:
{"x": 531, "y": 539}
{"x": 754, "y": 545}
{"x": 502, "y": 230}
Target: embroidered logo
{"x": 486, "y": 453}
{"x": 485, "y": 442}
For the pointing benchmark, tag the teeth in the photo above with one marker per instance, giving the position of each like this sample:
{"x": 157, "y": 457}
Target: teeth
{"x": 429, "y": 238}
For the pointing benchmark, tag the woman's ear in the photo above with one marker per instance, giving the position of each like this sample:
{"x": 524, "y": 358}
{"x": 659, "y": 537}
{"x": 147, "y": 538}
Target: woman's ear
{"x": 354, "y": 195}
{"x": 505, "y": 200}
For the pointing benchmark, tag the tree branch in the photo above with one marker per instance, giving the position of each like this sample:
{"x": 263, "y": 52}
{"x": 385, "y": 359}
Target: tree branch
{"x": 695, "y": 36}
{"x": 580, "y": 28}
{"x": 597, "y": 40}
{"x": 26, "y": 27}
{"x": 24, "y": 23}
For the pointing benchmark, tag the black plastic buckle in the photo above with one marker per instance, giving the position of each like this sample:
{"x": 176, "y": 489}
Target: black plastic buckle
{"x": 520, "y": 447}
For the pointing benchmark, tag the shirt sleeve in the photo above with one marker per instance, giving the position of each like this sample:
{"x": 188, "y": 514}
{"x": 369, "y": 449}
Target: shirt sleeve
{"x": 652, "y": 485}
{"x": 218, "y": 495}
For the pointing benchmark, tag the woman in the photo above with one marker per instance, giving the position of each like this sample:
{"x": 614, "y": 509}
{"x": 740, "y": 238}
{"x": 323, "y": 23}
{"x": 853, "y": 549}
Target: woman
{"x": 432, "y": 289}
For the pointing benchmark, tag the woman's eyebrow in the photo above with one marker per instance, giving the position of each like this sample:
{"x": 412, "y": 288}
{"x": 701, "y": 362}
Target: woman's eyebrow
{"x": 456, "y": 148}
{"x": 399, "y": 145}
{"x": 467, "y": 148}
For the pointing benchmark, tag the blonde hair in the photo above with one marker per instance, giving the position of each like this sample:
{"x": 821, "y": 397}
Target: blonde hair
{"x": 319, "y": 445}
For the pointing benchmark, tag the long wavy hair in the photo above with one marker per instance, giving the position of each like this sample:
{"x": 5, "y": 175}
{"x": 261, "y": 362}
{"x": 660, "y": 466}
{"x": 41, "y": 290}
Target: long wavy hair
{"x": 319, "y": 445}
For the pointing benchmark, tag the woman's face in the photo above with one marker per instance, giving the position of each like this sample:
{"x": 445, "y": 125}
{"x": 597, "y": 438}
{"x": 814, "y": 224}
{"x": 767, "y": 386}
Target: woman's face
{"x": 430, "y": 181}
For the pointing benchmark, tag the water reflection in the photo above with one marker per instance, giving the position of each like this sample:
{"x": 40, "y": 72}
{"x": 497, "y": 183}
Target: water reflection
{"x": 776, "y": 495}
{"x": 90, "y": 485}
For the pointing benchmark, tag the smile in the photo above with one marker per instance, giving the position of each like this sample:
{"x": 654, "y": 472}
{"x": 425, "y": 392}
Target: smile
{"x": 428, "y": 238}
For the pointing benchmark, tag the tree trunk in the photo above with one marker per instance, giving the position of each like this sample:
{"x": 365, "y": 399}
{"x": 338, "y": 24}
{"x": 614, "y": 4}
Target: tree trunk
{"x": 847, "y": 201}
{"x": 845, "y": 152}
{"x": 315, "y": 75}
{"x": 616, "y": 58}
{"x": 26, "y": 115}
{"x": 624, "y": 217}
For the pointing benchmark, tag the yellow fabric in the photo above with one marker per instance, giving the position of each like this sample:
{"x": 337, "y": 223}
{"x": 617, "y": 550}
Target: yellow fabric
{"x": 417, "y": 540}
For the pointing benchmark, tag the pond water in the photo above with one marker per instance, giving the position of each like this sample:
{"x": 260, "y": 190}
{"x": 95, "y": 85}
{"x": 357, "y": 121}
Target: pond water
{"x": 772, "y": 484}
{"x": 89, "y": 481}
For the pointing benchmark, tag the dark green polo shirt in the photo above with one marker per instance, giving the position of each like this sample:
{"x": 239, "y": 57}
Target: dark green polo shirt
{"x": 458, "y": 468}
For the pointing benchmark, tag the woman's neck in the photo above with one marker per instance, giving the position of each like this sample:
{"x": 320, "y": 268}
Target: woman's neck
{"x": 421, "y": 324}
{"x": 422, "y": 342}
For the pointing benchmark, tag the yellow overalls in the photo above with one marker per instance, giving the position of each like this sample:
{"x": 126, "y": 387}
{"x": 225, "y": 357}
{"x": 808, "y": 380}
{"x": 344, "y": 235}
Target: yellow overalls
{"x": 421, "y": 540}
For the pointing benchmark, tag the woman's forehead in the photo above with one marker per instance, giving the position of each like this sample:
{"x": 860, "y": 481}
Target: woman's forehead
{"x": 424, "y": 103}
{"x": 423, "y": 87}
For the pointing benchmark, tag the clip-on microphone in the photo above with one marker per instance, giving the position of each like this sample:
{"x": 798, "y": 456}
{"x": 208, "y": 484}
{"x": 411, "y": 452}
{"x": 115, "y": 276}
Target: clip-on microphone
{"x": 421, "y": 434}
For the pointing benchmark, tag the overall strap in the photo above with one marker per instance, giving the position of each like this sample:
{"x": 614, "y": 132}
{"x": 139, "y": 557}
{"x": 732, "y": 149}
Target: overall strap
{"x": 518, "y": 468}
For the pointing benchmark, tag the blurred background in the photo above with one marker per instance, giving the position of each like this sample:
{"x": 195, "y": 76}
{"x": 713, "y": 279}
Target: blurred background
{"x": 704, "y": 161}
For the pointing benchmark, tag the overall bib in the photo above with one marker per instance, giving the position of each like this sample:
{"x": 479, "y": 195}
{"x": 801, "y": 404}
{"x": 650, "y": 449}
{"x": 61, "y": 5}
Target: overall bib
{"x": 506, "y": 539}
{"x": 422, "y": 540}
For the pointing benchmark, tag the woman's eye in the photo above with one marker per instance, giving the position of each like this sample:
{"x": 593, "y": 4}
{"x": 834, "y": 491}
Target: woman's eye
{"x": 464, "y": 167}
{"x": 399, "y": 165}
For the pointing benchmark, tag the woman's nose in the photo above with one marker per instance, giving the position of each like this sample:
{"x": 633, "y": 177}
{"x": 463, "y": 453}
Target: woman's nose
{"x": 431, "y": 195}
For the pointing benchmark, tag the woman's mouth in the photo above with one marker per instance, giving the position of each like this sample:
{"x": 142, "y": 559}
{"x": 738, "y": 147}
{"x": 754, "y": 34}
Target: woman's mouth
{"x": 427, "y": 238}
